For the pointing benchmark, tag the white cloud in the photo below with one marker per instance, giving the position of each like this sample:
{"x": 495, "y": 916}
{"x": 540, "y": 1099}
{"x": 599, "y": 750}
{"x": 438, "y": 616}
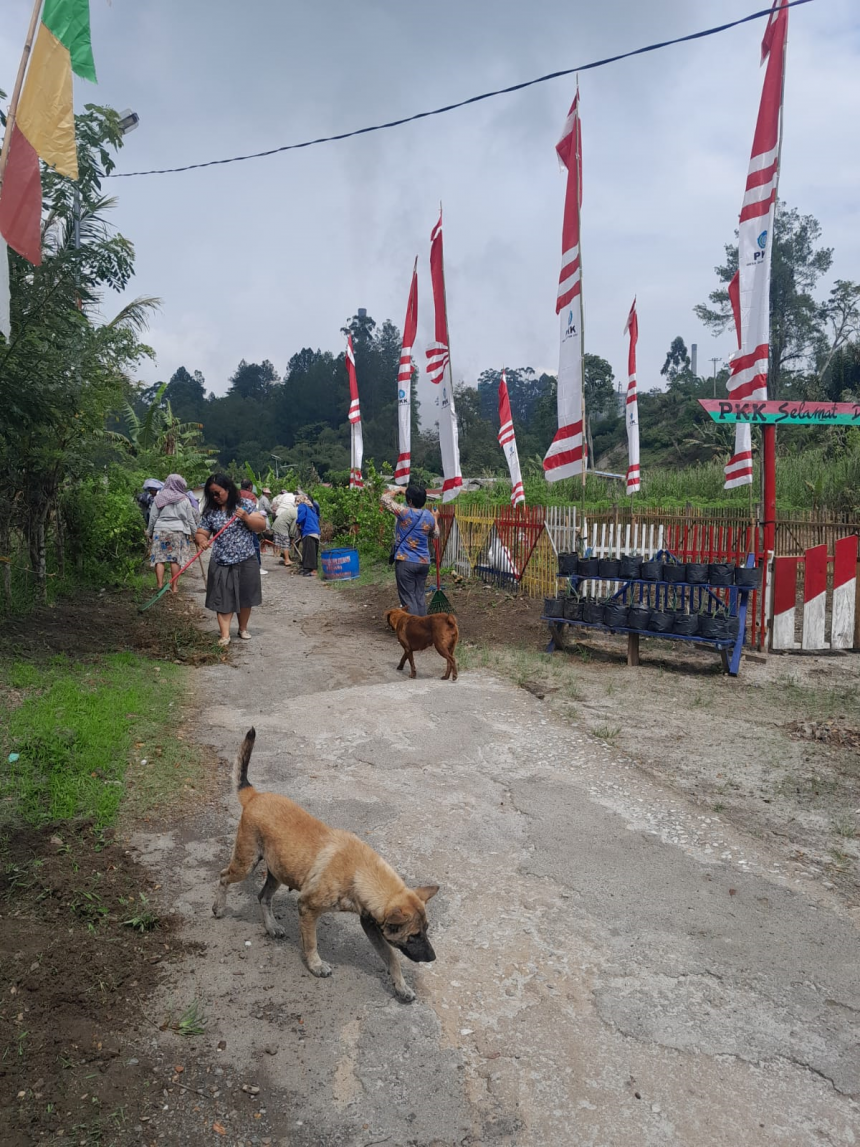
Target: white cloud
{"x": 261, "y": 258}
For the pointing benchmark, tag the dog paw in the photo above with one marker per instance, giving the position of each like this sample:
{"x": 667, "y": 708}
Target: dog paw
{"x": 322, "y": 969}
{"x": 277, "y": 932}
{"x": 405, "y": 995}
{"x": 217, "y": 911}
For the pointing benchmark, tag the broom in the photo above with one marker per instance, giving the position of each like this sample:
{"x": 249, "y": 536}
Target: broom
{"x": 438, "y": 602}
{"x": 176, "y": 577}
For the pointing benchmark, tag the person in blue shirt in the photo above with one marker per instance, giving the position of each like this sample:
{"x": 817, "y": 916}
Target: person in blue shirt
{"x": 308, "y": 522}
{"x": 412, "y": 533}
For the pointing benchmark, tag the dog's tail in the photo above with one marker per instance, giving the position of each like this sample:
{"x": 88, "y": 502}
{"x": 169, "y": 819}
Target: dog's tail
{"x": 244, "y": 788}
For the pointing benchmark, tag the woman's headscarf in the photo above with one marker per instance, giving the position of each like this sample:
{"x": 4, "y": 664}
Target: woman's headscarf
{"x": 174, "y": 490}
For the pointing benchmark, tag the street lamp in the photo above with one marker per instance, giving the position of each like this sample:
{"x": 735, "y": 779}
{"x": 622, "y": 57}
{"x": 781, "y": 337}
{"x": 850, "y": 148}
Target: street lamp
{"x": 128, "y": 121}
{"x": 277, "y": 470}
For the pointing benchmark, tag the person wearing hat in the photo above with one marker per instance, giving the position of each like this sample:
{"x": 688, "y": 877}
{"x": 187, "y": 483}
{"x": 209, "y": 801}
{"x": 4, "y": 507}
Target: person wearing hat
{"x": 264, "y": 504}
{"x": 146, "y": 497}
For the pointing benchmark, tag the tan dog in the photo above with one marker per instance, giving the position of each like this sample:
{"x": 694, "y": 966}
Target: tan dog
{"x": 333, "y": 871}
{"x": 416, "y": 633}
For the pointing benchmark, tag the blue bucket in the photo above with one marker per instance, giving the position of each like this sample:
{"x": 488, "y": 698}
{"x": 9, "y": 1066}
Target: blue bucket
{"x": 340, "y": 565}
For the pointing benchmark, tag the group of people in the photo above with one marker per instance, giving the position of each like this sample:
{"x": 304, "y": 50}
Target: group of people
{"x": 234, "y": 519}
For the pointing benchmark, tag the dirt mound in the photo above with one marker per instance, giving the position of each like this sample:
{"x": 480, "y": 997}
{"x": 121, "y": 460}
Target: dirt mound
{"x": 89, "y": 624}
{"x": 72, "y": 970}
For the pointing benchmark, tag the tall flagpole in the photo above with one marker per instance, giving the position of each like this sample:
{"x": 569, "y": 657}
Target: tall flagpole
{"x": 585, "y": 434}
{"x": 19, "y": 83}
{"x": 445, "y": 298}
{"x": 768, "y": 441}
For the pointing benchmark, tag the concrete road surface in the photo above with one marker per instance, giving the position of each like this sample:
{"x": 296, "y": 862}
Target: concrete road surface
{"x": 616, "y": 967}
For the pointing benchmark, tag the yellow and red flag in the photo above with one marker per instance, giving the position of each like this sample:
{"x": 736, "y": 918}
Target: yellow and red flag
{"x": 44, "y": 125}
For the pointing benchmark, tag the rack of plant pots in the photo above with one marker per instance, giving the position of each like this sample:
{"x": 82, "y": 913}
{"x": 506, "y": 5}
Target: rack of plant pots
{"x": 658, "y": 597}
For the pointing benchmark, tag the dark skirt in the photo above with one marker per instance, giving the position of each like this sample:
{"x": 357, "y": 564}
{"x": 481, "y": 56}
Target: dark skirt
{"x": 310, "y": 553}
{"x": 231, "y": 588}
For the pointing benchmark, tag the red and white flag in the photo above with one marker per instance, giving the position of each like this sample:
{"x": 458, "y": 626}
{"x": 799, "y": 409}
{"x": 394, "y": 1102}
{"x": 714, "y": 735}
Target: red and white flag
{"x": 404, "y": 385}
{"x": 439, "y": 369}
{"x": 356, "y": 443}
{"x": 508, "y": 443}
{"x": 566, "y": 455}
{"x": 748, "y": 368}
{"x": 632, "y": 404}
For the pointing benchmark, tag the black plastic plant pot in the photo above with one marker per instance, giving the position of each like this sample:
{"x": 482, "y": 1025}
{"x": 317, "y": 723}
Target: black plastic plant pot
{"x": 713, "y": 626}
{"x": 638, "y": 617}
{"x": 732, "y": 627}
{"x": 608, "y": 567}
{"x": 748, "y": 576}
{"x": 651, "y": 571}
{"x": 721, "y": 573}
{"x": 696, "y": 573}
{"x": 573, "y": 609}
{"x": 661, "y": 621}
{"x": 686, "y": 624}
{"x": 587, "y": 567}
{"x": 592, "y": 612}
{"x": 615, "y": 614}
{"x": 629, "y": 566}
{"x": 567, "y": 564}
{"x": 553, "y": 606}
{"x": 674, "y": 572}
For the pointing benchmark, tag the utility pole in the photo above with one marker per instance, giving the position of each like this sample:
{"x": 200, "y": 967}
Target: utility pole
{"x": 715, "y": 361}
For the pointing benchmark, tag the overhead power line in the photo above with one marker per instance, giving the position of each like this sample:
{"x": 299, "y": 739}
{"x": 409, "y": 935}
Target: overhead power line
{"x": 461, "y": 103}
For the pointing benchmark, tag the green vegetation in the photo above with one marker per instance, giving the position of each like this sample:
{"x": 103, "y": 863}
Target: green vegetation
{"x": 74, "y": 734}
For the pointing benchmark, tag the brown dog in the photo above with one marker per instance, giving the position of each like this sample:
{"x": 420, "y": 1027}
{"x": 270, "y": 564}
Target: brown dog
{"x": 416, "y": 633}
{"x": 333, "y": 871}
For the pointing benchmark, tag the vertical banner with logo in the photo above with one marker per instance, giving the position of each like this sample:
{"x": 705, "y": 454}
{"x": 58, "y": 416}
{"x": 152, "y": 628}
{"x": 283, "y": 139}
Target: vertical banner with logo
{"x": 439, "y": 370}
{"x": 566, "y": 456}
{"x": 748, "y": 368}
{"x": 508, "y": 443}
{"x": 631, "y": 405}
{"x": 404, "y": 386}
{"x": 356, "y": 443}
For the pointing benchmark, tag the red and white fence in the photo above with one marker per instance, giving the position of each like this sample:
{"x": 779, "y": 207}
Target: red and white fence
{"x": 826, "y": 605}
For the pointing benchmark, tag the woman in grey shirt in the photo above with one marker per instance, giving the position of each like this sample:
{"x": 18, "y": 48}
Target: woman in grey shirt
{"x": 172, "y": 525}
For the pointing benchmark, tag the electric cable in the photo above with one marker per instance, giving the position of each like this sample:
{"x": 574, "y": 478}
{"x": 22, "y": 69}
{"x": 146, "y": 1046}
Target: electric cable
{"x": 461, "y": 103}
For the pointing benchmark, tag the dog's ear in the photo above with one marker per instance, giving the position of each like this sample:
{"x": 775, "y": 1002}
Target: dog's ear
{"x": 397, "y": 916}
{"x": 427, "y": 892}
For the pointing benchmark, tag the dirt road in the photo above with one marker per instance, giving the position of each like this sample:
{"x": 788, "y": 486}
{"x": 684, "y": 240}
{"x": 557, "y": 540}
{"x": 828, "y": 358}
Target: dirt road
{"x": 615, "y": 966}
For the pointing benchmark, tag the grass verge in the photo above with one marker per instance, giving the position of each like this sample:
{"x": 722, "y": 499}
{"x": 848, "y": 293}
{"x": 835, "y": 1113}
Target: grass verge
{"x": 71, "y": 730}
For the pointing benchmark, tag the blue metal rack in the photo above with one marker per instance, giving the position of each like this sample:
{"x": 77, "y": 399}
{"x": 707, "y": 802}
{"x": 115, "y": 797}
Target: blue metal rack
{"x": 693, "y": 595}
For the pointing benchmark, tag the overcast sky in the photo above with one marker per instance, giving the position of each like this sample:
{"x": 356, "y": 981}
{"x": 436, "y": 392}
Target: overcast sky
{"x": 258, "y": 259}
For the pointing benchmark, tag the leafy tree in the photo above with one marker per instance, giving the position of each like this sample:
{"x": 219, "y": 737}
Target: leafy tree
{"x": 677, "y": 363}
{"x": 186, "y": 393}
{"x": 797, "y": 334}
{"x": 253, "y": 380}
{"x": 64, "y": 367}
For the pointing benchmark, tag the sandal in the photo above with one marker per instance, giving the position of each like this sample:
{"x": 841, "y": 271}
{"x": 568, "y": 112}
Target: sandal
{"x": 244, "y": 634}
{"x": 223, "y": 642}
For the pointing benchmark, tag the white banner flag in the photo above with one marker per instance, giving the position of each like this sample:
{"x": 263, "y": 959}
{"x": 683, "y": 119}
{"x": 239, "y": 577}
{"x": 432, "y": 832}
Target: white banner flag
{"x": 631, "y": 404}
{"x": 404, "y": 386}
{"x": 5, "y": 323}
{"x": 356, "y": 442}
{"x": 508, "y": 443}
{"x": 439, "y": 369}
{"x": 566, "y": 456}
{"x": 748, "y": 368}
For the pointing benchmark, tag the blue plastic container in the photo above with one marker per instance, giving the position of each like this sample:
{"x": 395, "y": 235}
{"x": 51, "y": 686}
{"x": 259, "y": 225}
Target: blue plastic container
{"x": 340, "y": 565}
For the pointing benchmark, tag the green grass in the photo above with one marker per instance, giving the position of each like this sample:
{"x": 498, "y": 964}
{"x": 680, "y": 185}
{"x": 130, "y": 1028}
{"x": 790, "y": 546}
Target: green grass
{"x": 76, "y": 730}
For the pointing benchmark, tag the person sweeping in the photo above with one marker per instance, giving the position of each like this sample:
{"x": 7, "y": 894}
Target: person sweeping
{"x": 412, "y": 532}
{"x": 234, "y": 584}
